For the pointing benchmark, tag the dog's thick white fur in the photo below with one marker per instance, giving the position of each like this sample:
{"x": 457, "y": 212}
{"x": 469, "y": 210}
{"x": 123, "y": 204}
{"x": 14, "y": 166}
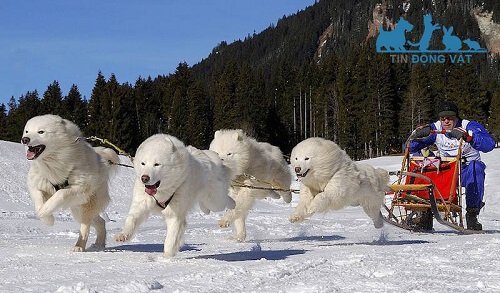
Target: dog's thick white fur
{"x": 331, "y": 181}
{"x": 167, "y": 170}
{"x": 249, "y": 159}
{"x": 66, "y": 172}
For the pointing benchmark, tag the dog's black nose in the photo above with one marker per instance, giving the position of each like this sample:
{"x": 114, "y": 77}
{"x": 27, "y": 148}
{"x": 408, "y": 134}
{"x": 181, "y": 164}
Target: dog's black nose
{"x": 297, "y": 169}
{"x": 25, "y": 140}
{"x": 145, "y": 178}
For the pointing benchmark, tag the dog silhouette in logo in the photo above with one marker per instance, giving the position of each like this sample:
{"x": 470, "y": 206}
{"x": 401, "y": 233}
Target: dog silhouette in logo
{"x": 394, "y": 40}
{"x": 473, "y": 45}
{"x": 425, "y": 40}
{"x": 452, "y": 43}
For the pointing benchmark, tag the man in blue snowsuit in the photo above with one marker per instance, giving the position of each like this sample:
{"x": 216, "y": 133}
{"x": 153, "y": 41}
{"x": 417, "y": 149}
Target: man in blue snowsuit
{"x": 475, "y": 139}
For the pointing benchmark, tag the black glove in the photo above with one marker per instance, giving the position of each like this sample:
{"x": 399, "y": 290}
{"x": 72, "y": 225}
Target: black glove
{"x": 422, "y": 131}
{"x": 459, "y": 133}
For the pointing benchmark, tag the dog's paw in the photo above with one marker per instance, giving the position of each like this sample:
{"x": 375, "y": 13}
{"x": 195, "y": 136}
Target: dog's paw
{"x": 44, "y": 212}
{"x": 378, "y": 223}
{"x": 122, "y": 237}
{"x": 169, "y": 254}
{"x": 49, "y": 220}
{"x": 223, "y": 223}
{"x": 238, "y": 238}
{"x": 274, "y": 195}
{"x": 231, "y": 204}
{"x": 204, "y": 209}
{"x": 287, "y": 197}
{"x": 295, "y": 218}
{"x": 96, "y": 247}
{"x": 78, "y": 249}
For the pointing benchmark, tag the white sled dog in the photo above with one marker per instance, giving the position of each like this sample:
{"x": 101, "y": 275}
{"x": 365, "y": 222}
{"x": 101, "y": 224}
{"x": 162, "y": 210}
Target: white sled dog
{"x": 331, "y": 181}
{"x": 249, "y": 159}
{"x": 171, "y": 179}
{"x": 66, "y": 172}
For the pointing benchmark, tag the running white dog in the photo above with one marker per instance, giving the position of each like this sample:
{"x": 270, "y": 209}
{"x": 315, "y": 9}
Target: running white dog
{"x": 331, "y": 181}
{"x": 170, "y": 179}
{"x": 66, "y": 172}
{"x": 252, "y": 163}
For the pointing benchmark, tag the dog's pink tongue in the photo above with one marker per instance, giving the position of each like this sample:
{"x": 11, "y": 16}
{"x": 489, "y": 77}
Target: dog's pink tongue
{"x": 151, "y": 190}
{"x": 30, "y": 155}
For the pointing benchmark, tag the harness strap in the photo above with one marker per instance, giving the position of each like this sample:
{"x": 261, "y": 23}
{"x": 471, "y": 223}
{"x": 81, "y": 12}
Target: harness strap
{"x": 62, "y": 185}
{"x": 165, "y": 204}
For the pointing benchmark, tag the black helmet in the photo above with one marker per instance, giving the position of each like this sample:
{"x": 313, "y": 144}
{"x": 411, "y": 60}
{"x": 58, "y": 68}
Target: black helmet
{"x": 448, "y": 108}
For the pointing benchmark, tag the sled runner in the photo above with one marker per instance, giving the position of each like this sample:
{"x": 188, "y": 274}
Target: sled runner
{"x": 426, "y": 188}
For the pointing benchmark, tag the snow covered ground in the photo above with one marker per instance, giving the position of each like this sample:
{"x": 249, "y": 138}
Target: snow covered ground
{"x": 334, "y": 252}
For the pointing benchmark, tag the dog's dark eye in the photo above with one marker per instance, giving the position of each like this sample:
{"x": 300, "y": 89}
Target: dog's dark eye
{"x": 26, "y": 131}
{"x": 296, "y": 159}
{"x": 156, "y": 164}
{"x": 229, "y": 154}
{"x": 41, "y": 132}
{"x": 307, "y": 159}
{"x": 142, "y": 163}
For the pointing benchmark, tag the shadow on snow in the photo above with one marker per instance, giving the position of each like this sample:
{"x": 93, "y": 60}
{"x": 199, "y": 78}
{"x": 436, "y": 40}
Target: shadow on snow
{"x": 300, "y": 238}
{"x": 382, "y": 243}
{"x": 149, "y": 248}
{"x": 253, "y": 255}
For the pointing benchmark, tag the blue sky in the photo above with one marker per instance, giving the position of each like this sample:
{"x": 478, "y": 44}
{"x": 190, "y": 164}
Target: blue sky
{"x": 70, "y": 41}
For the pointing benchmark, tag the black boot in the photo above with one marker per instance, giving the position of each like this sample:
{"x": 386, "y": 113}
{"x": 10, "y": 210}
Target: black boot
{"x": 424, "y": 221}
{"x": 471, "y": 218}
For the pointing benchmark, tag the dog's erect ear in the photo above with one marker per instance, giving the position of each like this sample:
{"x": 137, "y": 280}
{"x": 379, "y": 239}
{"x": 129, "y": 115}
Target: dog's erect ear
{"x": 171, "y": 143}
{"x": 71, "y": 127}
{"x": 217, "y": 134}
{"x": 238, "y": 135}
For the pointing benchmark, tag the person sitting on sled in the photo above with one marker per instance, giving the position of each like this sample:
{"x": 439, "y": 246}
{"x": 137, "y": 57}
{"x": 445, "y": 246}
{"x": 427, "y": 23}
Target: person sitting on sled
{"x": 475, "y": 139}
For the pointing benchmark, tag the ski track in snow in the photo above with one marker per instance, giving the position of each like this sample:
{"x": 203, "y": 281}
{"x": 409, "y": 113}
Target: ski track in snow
{"x": 334, "y": 252}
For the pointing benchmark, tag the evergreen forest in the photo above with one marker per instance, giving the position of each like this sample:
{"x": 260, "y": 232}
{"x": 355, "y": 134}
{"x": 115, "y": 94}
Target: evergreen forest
{"x": 313, "y": 73}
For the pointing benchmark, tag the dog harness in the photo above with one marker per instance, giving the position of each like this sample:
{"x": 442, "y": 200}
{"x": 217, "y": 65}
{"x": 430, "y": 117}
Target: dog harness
{"x": 165, "y": 204}
{"x": 61, "y": 186}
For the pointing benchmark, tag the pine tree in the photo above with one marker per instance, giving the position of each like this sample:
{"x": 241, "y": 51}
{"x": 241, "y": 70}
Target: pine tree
{"x": 178, "y": 126}
{"x": 95, "y": 126}
{"x": 278, "y": 102}
{"x": 146, "y": 109}
{"x": 198, "y": 120}
{"x": 418, "y": 106}
{"x": 226, "y": 104}
{"x": 52, "y": 100}
{"x": 124, "y": 127}
{"x": 181, "y": 82}
{"x": 494, "y": 119}
{"x": 13, "y": 126}
{"x": 111, "y": 110}
{"x": 3, "y": 122}
{"x": 346, "y": 126}
{"x": 27, "y": 107}
{"x": 75, "y": 108}
{"x": 384, "y": 98}
{"x": 253, "y": 107}
{"x": 464, "y": 88}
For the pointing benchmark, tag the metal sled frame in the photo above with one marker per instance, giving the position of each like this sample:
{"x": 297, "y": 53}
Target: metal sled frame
{"x": 415, "y": 192}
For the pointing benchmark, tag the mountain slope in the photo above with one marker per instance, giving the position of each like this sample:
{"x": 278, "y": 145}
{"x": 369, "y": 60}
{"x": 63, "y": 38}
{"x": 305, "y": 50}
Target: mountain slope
{"x": 338, "y": 25}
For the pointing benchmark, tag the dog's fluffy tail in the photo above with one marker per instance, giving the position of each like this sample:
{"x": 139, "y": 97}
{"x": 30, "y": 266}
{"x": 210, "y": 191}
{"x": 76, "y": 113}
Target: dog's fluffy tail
{"x": 383, "y": 179}
{"x": 109, "y": 156}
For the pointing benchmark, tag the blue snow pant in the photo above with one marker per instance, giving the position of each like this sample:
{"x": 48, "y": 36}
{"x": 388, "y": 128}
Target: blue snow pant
{"x": 473, "y": 180}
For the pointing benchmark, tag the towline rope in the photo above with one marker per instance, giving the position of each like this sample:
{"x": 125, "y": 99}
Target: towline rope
{"x": 235, "y": 183}
{"x": 119, "y": 150}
